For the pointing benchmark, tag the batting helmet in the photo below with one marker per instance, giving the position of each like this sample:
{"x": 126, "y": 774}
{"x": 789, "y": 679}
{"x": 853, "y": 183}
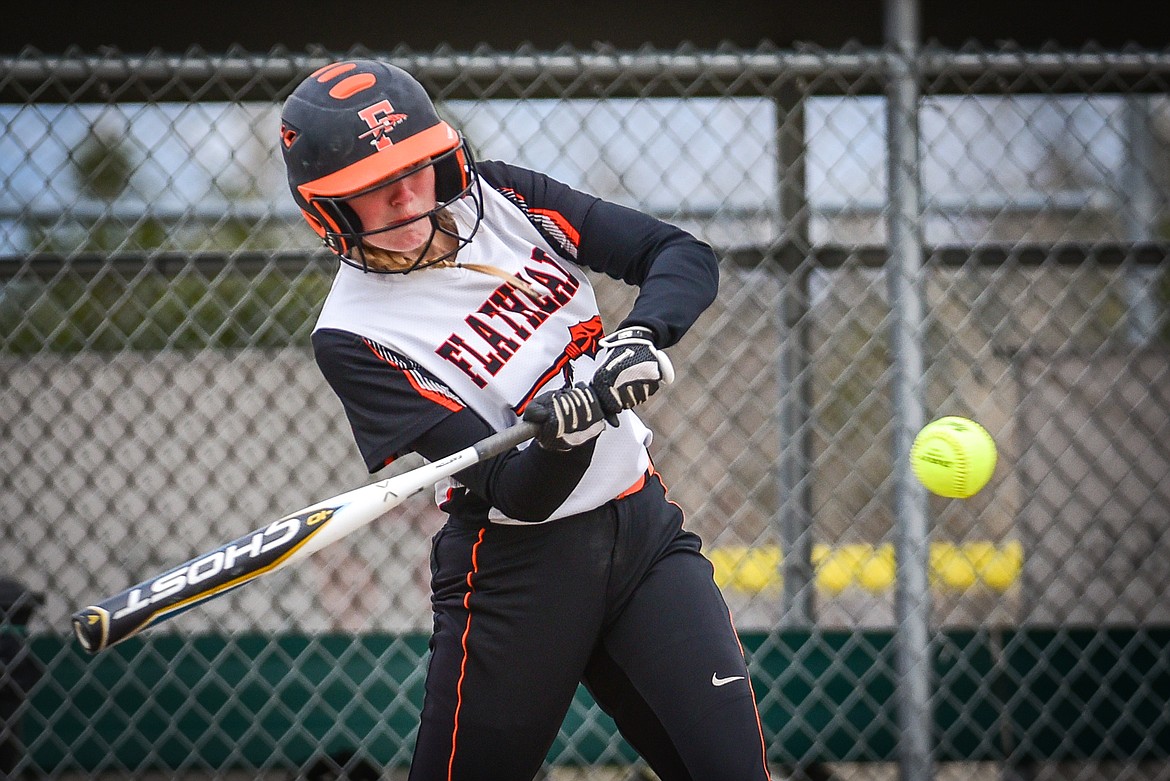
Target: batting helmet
{"x": 357, "y": 125}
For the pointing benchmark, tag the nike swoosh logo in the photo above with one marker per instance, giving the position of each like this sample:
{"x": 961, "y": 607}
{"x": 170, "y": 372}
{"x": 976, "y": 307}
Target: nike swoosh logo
{"x": 717, "y": 681}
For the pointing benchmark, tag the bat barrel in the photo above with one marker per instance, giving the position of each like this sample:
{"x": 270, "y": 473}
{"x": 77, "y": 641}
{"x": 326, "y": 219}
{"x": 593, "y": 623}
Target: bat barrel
{"x": 268, "y": 549}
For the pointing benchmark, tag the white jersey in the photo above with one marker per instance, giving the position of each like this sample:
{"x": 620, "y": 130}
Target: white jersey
{"x": 490, "y": 346}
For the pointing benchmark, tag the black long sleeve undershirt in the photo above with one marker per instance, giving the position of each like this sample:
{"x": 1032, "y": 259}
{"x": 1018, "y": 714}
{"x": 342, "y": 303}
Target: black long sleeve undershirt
{"x": 677, "y": 275}
{"x": 527, "y": 485}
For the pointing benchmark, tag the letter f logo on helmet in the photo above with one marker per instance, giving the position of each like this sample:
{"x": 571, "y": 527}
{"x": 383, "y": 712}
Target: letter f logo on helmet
{"x": 381, "y": 119}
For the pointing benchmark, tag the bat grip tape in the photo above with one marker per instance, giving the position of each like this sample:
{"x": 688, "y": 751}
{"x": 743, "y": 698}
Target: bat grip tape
{"x": 505, "y": 440}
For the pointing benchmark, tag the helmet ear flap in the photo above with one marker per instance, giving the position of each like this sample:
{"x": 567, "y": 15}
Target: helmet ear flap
{"x": 314, "y": 223}
{"x": 335, "y": 222}
{"x": 453, "y": 174}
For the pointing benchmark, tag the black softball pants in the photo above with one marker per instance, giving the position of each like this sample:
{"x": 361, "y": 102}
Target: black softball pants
{"x": 619, "y": 599}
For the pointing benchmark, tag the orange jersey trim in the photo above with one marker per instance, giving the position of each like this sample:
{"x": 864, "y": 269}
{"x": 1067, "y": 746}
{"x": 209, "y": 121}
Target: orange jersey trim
{"x": 441, "y": 399}
{"x": 640, "y": 484}
{"x": 559, "y": 220}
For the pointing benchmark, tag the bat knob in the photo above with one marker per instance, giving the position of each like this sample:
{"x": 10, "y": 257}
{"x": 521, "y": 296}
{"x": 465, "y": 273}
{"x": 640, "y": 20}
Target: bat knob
{"x": 91, "y": 626}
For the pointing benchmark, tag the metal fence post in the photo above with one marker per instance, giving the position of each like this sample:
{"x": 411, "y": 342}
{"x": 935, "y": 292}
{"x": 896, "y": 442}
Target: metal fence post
{"x": 795, "y": 378}
{"x": 1139, "y": 215}
{"x": 904, "y": 276}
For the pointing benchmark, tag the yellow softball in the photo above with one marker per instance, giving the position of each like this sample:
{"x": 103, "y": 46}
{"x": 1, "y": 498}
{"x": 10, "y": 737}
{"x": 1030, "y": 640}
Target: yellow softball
{"x": 953, "y": 457}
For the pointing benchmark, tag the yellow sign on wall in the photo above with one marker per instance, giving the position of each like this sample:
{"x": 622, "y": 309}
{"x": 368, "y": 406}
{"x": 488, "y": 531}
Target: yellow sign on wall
{"x": 953, "y": 566}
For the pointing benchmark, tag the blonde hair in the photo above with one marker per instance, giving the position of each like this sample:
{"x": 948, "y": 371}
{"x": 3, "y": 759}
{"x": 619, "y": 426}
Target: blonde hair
{"x": 387, "y": 260}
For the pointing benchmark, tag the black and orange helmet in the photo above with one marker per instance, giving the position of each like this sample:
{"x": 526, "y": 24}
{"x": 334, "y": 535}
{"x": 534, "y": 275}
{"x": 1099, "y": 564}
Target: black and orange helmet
{"x": 356, "y": 125}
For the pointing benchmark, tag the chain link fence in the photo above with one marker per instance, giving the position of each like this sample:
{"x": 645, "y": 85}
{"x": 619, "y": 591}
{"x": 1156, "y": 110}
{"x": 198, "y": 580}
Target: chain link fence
{"x": 158, "y": 398}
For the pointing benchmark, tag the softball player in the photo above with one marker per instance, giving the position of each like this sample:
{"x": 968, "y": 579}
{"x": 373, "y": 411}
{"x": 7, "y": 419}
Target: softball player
{"x": 460, "y": 306}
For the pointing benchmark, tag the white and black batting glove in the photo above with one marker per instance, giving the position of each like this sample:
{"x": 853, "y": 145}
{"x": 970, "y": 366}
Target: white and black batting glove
{"x": 631, "y": 369}
{"x": 568, "y": 417}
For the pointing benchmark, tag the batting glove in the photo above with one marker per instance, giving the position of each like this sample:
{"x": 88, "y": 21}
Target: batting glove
{"x": 631, "y": 369}
{"x": 568, "y": 417}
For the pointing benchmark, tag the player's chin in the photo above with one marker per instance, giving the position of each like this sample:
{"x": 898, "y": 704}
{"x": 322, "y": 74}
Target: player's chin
{"x": 412, "y": 240}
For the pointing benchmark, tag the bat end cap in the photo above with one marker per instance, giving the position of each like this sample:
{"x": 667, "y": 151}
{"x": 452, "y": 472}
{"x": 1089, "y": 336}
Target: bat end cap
{"x": 91, "y": 626}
